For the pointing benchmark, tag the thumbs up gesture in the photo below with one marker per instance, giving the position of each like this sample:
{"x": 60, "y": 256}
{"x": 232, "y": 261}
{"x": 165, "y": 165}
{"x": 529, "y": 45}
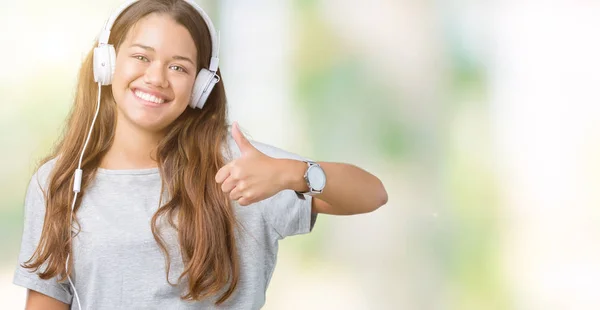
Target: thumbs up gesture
{"x": 253, "y": 176}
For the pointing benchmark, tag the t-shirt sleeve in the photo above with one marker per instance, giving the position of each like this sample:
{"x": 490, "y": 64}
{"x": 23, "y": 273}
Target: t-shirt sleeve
{"x": 286, "y": 212}
{"x": 34, "y": 219}
{"x": 288, "y": 215}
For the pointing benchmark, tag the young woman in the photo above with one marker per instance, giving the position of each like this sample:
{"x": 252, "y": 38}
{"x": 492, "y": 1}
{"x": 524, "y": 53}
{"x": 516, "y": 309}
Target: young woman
{"x": 150, "y": 199}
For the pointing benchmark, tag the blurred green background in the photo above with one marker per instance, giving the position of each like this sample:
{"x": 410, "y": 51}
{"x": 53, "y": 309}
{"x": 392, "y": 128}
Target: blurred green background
{"x": 480, "y": 118}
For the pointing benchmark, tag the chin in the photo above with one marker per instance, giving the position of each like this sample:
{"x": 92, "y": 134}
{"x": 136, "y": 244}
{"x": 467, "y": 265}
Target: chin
{"x": 143, "y": 121}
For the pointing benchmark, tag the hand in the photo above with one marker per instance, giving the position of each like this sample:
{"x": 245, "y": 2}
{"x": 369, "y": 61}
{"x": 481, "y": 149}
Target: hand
{"x": 253, "y": 176}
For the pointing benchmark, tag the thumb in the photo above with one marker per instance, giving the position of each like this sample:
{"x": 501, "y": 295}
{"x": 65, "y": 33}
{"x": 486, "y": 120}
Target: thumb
{"x": 240, "y": 139}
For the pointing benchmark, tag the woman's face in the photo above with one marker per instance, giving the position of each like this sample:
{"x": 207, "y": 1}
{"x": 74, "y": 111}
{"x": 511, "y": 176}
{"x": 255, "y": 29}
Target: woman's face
{"x": 154, "y": 74}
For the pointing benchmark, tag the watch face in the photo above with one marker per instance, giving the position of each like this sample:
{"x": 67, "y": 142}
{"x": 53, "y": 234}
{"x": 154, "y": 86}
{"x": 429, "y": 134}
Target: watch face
{"x": 316, "y": 177}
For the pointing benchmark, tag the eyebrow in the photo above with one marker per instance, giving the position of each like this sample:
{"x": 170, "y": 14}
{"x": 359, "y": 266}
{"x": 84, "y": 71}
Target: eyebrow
{"x": 149, "y": 48}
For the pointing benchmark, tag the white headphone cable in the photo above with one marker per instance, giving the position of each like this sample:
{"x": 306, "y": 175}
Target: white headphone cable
{"x": 77, "y": 187}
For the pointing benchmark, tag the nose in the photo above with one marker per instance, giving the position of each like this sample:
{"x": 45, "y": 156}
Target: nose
{"x": 155, "y": 75}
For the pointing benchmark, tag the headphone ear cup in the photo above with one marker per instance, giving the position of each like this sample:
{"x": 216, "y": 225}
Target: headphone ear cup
{"x": 104, "y": 64}
{"x": 205, "y": 82}
{"x": 208, "y": 90}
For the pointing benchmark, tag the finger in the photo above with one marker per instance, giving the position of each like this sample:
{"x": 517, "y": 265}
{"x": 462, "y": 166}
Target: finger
{"x": 236, "y": 194}
{"x": 241, "y": 141}
{"x": 228, "y": 185}
{"x": 249, "y": 196}
{"x": 223, "y": 173}
{"x": 244, "y": 201}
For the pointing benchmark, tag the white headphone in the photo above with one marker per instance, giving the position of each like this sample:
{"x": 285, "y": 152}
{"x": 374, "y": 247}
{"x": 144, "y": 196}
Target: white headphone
{"x": 105, "y": 58}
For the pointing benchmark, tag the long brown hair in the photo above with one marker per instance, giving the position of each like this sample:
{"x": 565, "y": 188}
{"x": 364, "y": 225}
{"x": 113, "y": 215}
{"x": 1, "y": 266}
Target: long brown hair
{"x": 188, "y": 158}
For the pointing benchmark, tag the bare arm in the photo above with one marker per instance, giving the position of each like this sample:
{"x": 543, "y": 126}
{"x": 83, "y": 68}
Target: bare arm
{"x": 37, "y": 300}
{"x": 349, "y": 190}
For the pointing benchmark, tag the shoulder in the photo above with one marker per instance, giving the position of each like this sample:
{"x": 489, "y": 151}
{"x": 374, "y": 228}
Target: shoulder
{"x": 232, "y": 151}
{"x": 42, "y": 174}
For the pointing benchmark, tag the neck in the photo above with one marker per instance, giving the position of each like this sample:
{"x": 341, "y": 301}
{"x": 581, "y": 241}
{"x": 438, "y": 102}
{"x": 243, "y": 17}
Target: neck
{"x": 132, "y": 148}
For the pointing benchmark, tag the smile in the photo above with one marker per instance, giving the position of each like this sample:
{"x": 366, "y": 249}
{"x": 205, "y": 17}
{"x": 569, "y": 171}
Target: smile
{"x": 148, "y": 98}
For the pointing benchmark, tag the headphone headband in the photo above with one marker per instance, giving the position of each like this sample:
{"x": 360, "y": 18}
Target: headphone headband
{"x": 214, "y": 60}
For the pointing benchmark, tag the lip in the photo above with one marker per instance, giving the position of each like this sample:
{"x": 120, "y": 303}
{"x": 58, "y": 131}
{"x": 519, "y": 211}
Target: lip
{"x": 148, "y": 103}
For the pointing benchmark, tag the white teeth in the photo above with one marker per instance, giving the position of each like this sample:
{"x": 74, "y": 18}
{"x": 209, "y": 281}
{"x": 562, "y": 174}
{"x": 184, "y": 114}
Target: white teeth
{"x": 149, "y": 97}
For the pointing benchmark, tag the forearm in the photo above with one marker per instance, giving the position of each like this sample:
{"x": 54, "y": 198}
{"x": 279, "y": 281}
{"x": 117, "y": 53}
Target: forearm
{"x": 349, "y": 189}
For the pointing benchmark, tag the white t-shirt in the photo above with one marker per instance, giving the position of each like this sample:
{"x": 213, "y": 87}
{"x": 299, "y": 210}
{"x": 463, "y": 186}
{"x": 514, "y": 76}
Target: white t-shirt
{"x": 117, "y": 263}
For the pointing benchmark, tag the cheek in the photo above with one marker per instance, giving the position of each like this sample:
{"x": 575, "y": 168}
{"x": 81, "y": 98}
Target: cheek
{"x": 125, "y": 72}
{"x": 184, "y": 89}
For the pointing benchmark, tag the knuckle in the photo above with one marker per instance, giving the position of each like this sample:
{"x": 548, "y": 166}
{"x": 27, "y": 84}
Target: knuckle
{"x": 241, "y": 185}
{"x": 236, "y": 174}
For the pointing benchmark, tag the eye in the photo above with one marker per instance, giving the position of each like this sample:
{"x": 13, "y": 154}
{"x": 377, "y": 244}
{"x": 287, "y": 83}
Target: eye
{"x": 140, "y": 57}
{"x": 179, "y": 68}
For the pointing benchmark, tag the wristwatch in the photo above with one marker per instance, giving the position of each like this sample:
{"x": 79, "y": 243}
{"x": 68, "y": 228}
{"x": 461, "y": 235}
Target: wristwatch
{"x": 315, "y": 179}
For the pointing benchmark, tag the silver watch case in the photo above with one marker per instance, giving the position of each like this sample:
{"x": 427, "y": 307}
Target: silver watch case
{"x": 312, "y": 191}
